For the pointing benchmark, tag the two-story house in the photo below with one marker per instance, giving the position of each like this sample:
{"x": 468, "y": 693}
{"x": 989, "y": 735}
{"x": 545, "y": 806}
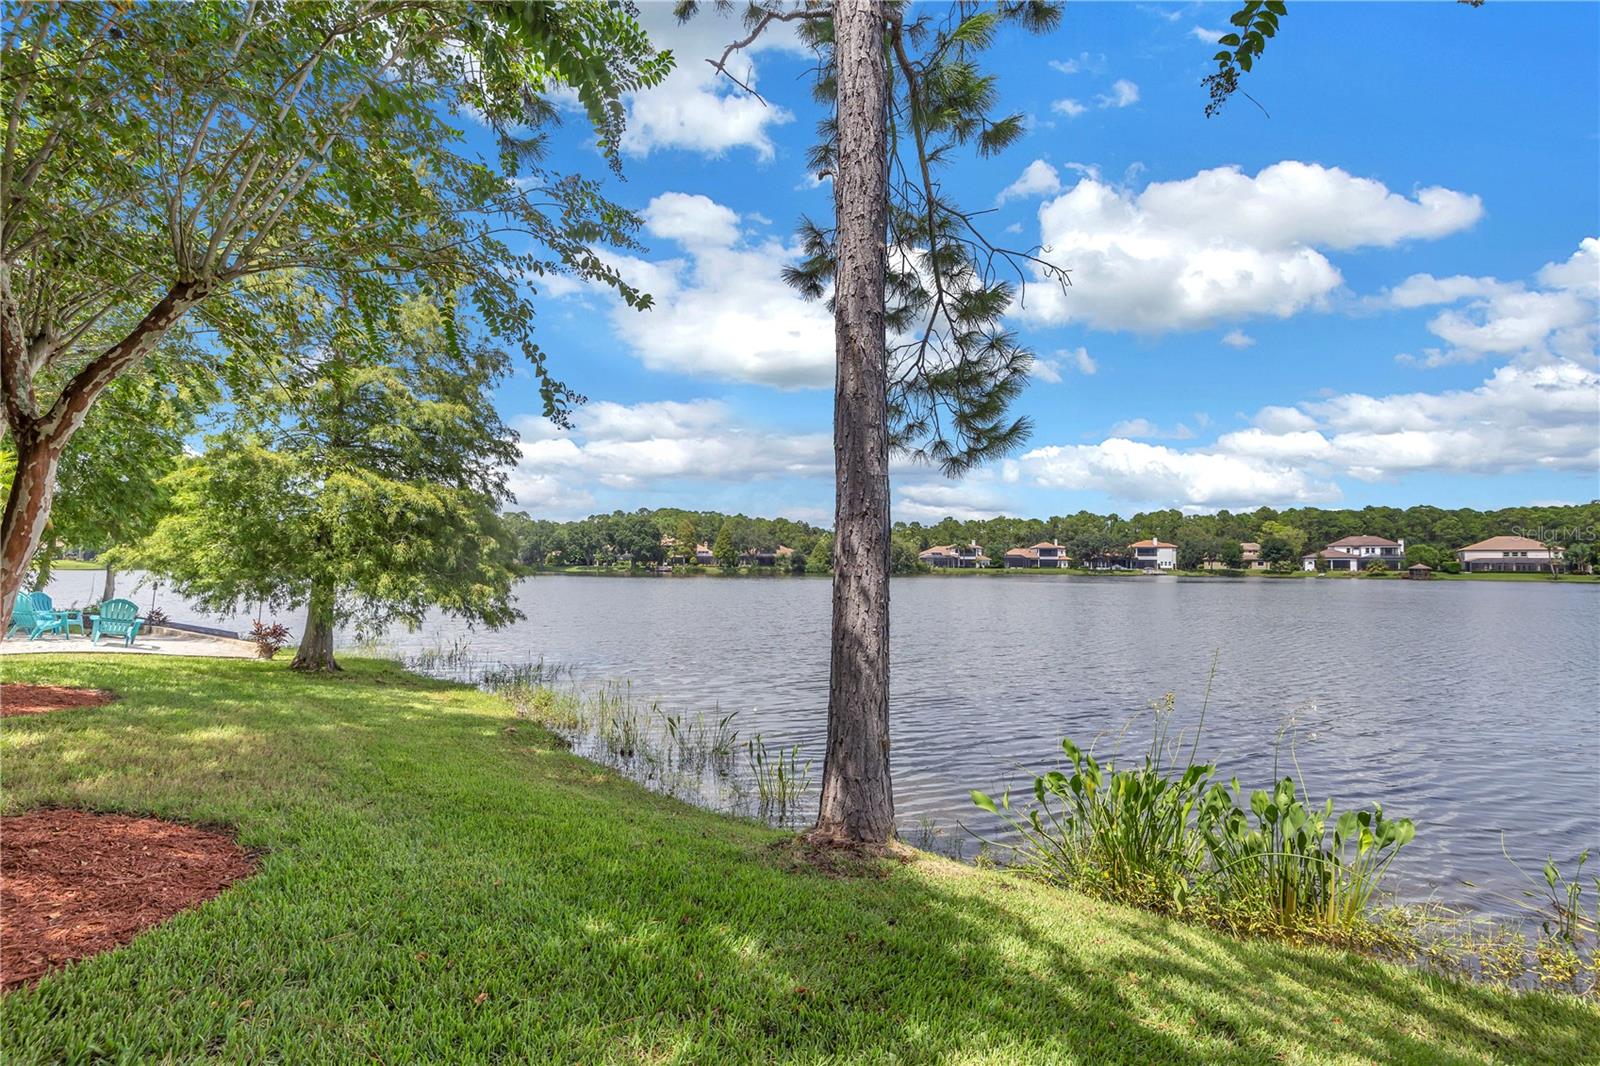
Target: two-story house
{"x": 1358, "y": 553}
{"x": 1046, "y": 554}
{"x": 1153, "y": 554}
{"x": 957, "y": 556}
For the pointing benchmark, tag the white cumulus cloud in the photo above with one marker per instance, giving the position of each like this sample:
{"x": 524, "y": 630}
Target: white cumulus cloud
{"x": 1123, "y": 94}
{"x": 722, "y": 309}
{"x": 1222, "y": 244}
{"x": 1038, "y": 178}
{"x": 1554, "y": 318}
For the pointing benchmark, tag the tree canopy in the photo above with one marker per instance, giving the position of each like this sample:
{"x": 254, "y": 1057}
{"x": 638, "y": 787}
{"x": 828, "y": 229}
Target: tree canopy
{"x": 364, "y": 482}
{"x": 158, "y": 156}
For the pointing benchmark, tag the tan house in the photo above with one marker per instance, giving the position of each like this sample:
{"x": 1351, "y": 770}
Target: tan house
{"x": 1249, "y": 558}
{"x": 1510, "y": 555}
{"x": 1046, "y": 554}
{"x": 703, "y": 555}
{"x": 954, "y": 556}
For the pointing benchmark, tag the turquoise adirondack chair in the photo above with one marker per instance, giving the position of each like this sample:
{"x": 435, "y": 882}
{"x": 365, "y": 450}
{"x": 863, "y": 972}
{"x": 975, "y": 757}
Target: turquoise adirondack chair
{"x": 117, "y": 618}
{"x": 33, "y": 612}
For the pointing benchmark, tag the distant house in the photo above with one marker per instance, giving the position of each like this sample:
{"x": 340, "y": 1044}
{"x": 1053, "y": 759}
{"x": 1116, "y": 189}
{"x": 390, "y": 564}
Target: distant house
{"x": 1046, "y": 554}
{"x": 1510, "y": 555}
{"x": 1249, "y": 558}
{"x": 1153, "y": 554}
{"x": 764, "y": 556}
{"x": 1331, "y": 559}
{"x": 703, "y": 555}
{"x": 670, "y": 552}
{"x": 1021, "y": 557}
{"x": 955, "y": 556}
{"x": 1369, "y": 550}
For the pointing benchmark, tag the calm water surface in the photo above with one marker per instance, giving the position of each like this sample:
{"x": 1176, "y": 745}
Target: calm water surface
{"x": 1471, "y": 707}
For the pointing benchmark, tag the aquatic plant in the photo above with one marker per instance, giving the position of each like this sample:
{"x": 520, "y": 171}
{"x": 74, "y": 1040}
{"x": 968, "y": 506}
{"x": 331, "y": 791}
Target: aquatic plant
{"x": 1284, "y": 867}
{"x": 1123, "y": 834}
{"x": 1164, "y": 835}
{"x": 780, "y": 778}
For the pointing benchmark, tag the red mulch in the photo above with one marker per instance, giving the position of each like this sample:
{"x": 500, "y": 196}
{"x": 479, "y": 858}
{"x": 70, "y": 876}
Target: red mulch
{"x": 73, "y": 884}
{"x": 39, "y": 699}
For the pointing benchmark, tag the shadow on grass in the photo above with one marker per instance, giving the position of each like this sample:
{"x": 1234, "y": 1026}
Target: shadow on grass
{"x": 442, "y": 883}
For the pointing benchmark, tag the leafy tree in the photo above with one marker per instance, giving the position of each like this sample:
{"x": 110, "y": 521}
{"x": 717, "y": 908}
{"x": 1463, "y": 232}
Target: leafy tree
{"x": 1278, "y": 551}
{"x": 821, "y": 559}
{"x": 1191, "y": 554}
{"x": 1230, "y": 553}
{"x": 686, "y": 537}
{"x": 365, "y": 486}
{"x": 159, "y": 156}
{"x": 1426, "y": 554}
{"x": 637, "y": 536}
{"x": 903, "y": 557}
{"x": 1294, "y": 537}
{"x": 725, "y": 550}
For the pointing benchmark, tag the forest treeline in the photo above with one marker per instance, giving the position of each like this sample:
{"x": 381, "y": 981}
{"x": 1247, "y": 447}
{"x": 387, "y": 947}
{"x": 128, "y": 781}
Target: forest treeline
{"x": 1431, "y": 533}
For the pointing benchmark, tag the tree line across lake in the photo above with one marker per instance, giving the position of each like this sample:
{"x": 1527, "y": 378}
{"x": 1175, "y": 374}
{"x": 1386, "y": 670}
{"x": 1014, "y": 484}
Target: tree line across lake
{"x": 1431, "y": 534}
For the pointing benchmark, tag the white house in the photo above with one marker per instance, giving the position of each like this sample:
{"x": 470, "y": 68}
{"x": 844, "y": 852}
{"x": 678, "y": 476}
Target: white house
{"x": 1153, "y": 554}
{"x": 1517, "y": 555}
{"x": 1358, "y": 553}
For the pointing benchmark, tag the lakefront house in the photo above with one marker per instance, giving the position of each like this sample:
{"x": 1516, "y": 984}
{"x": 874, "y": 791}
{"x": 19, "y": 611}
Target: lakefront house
{"x": 1153, "y": 554}
{"x": 1513, "y": 555}
{"x": 1047, "y": 554}
{"x": 956, "y": 556}
{"x": 1358, "y": 553}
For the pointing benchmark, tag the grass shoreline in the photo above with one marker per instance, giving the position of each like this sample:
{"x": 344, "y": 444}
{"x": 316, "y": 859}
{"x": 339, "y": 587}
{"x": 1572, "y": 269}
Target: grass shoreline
{"x": 444, "y": 882}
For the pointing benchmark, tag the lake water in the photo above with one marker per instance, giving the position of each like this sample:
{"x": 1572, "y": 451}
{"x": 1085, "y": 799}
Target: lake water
{"x": 1471, "y": 707}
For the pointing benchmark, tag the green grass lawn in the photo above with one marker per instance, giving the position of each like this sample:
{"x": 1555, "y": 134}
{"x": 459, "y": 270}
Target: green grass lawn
{"x": 76, "y": 564}
{"x": 442, "y": 882}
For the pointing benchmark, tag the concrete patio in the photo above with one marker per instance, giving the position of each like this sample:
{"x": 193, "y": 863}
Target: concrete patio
{"x": 158, "y": 640}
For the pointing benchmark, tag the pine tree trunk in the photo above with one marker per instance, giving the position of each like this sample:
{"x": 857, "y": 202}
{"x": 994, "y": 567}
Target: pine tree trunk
{"x": 315, "y": 653}
{"x": 857, "y": 803}
{"x": 27, "y": 511}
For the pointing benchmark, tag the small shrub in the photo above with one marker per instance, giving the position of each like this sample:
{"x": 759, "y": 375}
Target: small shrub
{"x": 269, "y": 639}
{"x": 155, "y": 616}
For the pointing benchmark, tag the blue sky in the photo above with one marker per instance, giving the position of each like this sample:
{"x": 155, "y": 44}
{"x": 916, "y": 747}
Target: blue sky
{"x": 1385, "y": 293}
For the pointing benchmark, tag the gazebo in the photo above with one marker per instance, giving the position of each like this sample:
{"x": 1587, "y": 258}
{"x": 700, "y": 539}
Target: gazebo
{"x": 1419, "y": 572}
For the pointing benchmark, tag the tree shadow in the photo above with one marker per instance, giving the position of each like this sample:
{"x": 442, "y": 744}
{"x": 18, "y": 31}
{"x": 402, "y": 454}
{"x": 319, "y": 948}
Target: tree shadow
{"x": 441, "y": 882}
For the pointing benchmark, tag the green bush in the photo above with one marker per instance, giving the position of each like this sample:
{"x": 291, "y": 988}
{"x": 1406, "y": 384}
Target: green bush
{"x": 1164, "y": 835}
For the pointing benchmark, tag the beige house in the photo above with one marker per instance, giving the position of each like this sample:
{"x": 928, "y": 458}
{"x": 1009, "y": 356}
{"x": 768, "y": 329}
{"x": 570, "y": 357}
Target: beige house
{"x": 1046, "y": 554}
{"x": 1512, "y": 555}
{"x": 954, "y": 556}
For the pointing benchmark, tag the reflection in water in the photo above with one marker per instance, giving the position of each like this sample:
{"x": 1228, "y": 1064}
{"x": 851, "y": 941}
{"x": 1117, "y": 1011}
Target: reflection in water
{"x": 1471, "y": 707}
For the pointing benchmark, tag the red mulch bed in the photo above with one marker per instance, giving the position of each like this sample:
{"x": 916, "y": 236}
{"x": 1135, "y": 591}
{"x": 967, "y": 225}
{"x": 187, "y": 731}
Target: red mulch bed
{"x": 73, "y": 884}
{"x": 18, "y": 700}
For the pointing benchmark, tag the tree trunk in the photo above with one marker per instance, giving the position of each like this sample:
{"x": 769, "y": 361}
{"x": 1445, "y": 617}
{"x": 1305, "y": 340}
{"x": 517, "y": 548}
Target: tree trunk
{"x": 40, "y": 439}
{"x": 27, "y": 511}
{"x": 315, "y": 653}
{"x": 110, "y": 590}
{"x": 857, "y": 803}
